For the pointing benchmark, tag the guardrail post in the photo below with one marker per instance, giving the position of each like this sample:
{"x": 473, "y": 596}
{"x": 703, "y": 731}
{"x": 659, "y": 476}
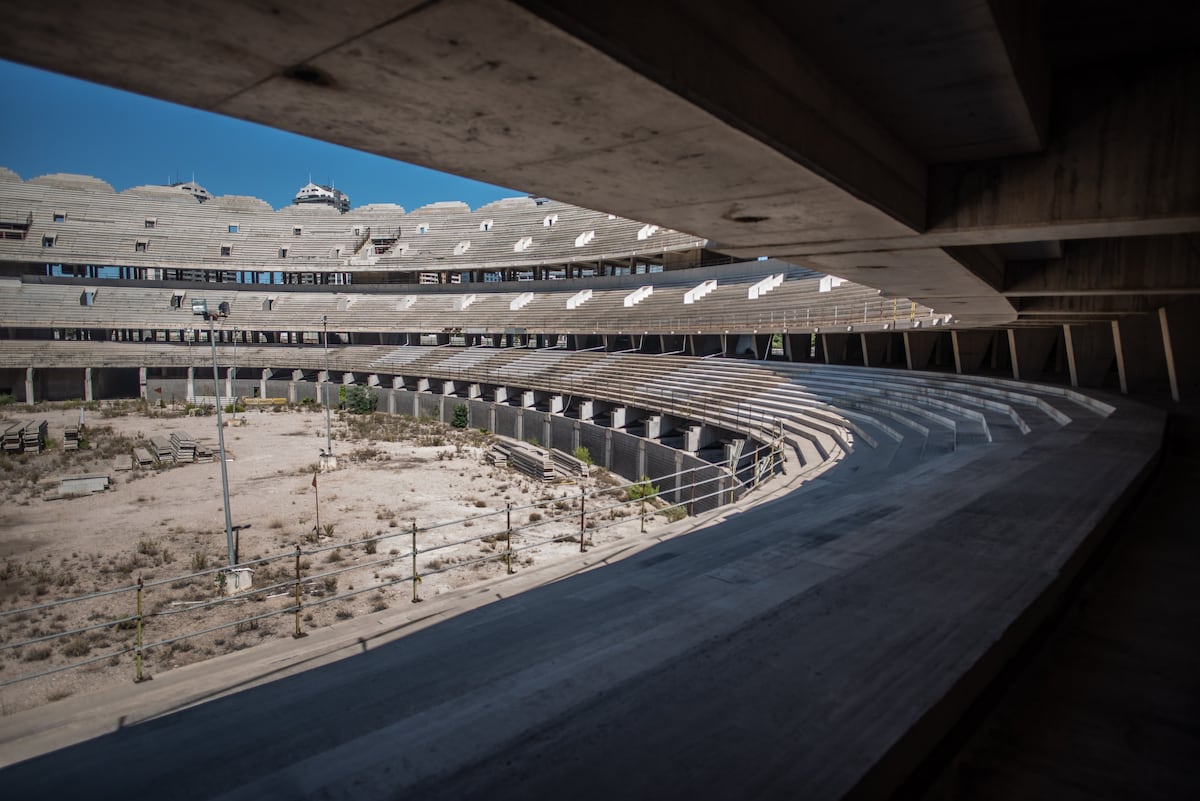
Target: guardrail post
{"x": 643, "y": 512}
{"x": 416, "y": 579}
{"x": 582, "y": 507}
{"x": 297, "y": 633}
{"x": 508, "y": 528}
{"x": 138, "y": 641}
{"x": 692, "y": 500}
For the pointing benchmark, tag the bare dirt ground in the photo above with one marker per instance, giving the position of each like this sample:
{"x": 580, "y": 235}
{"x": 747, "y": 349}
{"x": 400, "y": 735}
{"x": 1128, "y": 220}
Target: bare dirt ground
{"x": 168, "y": 522}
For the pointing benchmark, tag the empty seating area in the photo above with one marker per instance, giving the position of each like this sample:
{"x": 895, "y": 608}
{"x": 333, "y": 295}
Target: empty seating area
{"x": 157, "y": 232}
{"x": 796, "y": 305}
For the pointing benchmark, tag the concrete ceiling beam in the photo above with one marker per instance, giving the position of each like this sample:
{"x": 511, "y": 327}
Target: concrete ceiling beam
{"x": 1120, "y": 266}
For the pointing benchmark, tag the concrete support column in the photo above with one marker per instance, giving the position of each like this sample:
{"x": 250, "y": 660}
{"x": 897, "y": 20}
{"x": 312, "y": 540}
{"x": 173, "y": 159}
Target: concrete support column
{"x": 29, "y": 395}
{"x": 1030, "y": 350}
{"x": 527, "y": 399}
{"x": 556, "y": 404}
{"x": 587, "y": 410}
{"x": 501, "y": 396}
{"x": 141, "y": 384}
{"x": 89, "y": 393}
{"x": 874, "y": 348}
{"x": 641, "y": 458}
{"x": 1120, "y": 353}
{"x": 447, "y": 388}
{"x": 397, "y": 382}
{"x": 970, "y": 348}
{"x": 654, "y": 426}
{"x": 347, "y": 379}
{"x": 1169, "y": 352}
{"x": 191, "y": 384}
{"x": 391, "y": 403}
{"x": 263, "y": 378}
{"x": 619, "y": 416}
{"x": 474, "y": 390}
{"x": 422, "y": 385}
{"x": 372, "y": 380}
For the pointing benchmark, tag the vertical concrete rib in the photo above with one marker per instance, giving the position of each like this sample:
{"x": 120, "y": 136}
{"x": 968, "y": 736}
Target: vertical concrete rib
{"x": 1070, "y": 343}
{"x": 1116, "y": 331}
{"x": 1169, "y": 353}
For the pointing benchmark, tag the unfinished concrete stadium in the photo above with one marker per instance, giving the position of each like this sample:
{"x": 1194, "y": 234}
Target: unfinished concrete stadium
{"x": 970, "y": 352}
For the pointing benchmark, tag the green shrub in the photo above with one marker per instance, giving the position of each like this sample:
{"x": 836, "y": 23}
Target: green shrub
{"x": 643, "y": 490}
{"x": 584, "y": 455}
{"x": 462, "y": 416}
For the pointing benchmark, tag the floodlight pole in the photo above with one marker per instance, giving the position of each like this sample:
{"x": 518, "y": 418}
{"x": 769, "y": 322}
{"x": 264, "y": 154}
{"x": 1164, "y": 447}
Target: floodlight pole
{"x": 233, "y": 377}
{"x": 212, "y": 340}
{"x": 325, "y": 389}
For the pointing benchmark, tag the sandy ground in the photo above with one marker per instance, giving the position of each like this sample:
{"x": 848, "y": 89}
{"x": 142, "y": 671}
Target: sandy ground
{"x": 165, "y": 523}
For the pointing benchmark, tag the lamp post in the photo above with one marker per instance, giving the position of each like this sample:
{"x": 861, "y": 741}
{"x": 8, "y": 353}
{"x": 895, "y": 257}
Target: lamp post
{"x": 325, "y": 389}
{"x": 200, "y": 309}
{"x": 233, "y": 373}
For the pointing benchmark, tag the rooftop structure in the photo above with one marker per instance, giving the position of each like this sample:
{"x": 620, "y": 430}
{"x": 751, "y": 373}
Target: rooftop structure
{"x": 323, "y": 195}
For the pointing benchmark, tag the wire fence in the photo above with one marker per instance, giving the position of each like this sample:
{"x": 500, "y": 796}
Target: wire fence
{"x": 693, "y": 489}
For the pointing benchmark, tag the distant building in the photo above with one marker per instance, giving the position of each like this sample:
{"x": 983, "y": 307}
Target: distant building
{"x": 194, "y": 189}
{"x": 325, "y": 195}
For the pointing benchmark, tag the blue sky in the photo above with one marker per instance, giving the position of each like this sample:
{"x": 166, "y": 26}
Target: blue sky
{"x": 129, "y": 140}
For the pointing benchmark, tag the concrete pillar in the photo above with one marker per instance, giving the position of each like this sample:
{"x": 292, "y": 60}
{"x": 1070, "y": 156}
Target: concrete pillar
{"x": 141, "y": 384}
{"x": 1116, "y": 335}
{"x": 619, "y": 415}
{"x": 447, "y": 388}
{"x": 1141, "y": 357}
{"x": 835, "y": 347}
{"x": 556, "y": 404}
{"x": 547, "y": 431}
{"x": 347, "y": 379}
{"x": 520, "y": 426}
{"x": 322, "y": 376}
{"x": 391, "y": 402}
{"x": 372, "y": 380}
{"x": 263, "y": 378}
{"x": 653, "y": 426}
{"x": 474, "y": 391}
{"x": 298, "y": 375}
{"x": 1030, "y": 348}
{"x": 1169, "y": 353}
{"x": 501, "y": 396}
{"x": 422, "y": 385}
{"x": 527, "y": 399}
{"x": 918, "y": 348}
{"x": 970, "y": 348}
{"x": 874, "y": 348}
{"x": 29, "y": 395}
{"x": 89, "y": 393}
{"x": 641, "y": 458}
{"x": 587, "y": 409}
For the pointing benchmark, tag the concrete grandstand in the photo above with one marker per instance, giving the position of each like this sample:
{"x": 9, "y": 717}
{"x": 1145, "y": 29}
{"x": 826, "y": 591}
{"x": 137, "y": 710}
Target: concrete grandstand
{"x": 962, "y": 441}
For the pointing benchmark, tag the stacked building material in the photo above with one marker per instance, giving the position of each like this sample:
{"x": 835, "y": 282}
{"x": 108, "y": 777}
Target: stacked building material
{"x": 160, "y": 449}
{"x": 522, "y": 456}
{"x": 12, "y": 439}
{"x": 123, "y": 462}
{"x": 33, "y": 438}
{"x": 497, "y": 456}
{"x": 71, "y": 438}
{"x": 204, "y": 453}
{"x": 568, "y": 465}
{"x": 183, "y": 447}
{"x": 143, "y": 457}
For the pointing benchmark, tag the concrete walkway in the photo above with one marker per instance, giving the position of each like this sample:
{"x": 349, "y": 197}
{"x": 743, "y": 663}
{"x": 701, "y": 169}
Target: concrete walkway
{"x": 813, "y": 646}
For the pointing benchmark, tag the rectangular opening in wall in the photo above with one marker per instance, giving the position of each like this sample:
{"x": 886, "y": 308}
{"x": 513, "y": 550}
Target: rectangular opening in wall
{"x": 297, "y": 230}
{"x": 226, "y": 249}
{"x": 60, "y": 216}
{"x": 87, "y": 297}
{"x": 151, "y": 222}
{"x": 177, "y": 299}
{"x": 233, "y": 229}
{"x": 283, "y": 253}
{"x": 141, "y": 245}
{"x": 48, "y": 240}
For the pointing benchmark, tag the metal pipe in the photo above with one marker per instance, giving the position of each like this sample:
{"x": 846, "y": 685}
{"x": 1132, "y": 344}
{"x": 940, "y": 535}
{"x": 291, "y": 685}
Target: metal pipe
{"x": 221, "y": 445}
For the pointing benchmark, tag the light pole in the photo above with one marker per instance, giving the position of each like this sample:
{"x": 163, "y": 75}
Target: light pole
{"x": 325, "y": 389}
{"x": 233, "y": 376}
{"x": 200, "y": 309}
